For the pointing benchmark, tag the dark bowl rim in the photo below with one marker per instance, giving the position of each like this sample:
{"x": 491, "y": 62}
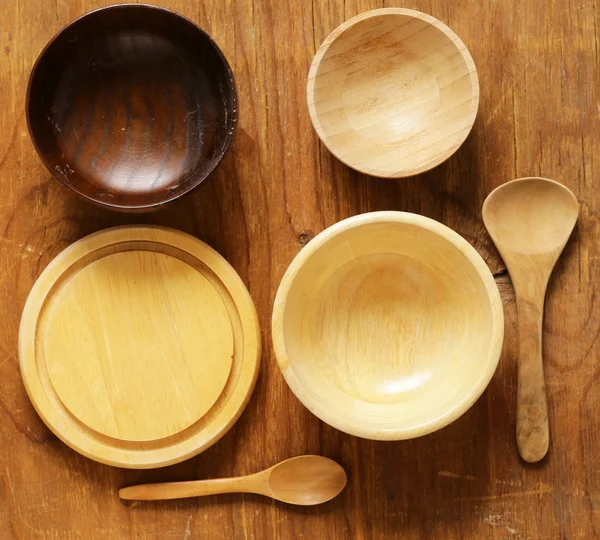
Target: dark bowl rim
{"x": 215, "y": 162}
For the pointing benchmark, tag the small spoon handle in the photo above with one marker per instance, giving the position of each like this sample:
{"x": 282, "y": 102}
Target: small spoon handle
{"x": 182, "y": 490}
{"x": 532, "y": 409}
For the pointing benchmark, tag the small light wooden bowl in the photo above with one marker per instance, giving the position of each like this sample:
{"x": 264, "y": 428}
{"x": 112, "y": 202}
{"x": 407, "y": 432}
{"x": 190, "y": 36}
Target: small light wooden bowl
{"x": 388, "y": 325}
{"x": 393, "y": 92}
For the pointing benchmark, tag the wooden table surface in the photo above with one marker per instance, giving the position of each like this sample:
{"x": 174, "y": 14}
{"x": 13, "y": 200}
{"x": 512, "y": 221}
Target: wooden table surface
{"x": 538, "y": 63}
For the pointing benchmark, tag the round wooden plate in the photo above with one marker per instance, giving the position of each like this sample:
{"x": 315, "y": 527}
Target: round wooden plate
{"x": 139, "y": 346}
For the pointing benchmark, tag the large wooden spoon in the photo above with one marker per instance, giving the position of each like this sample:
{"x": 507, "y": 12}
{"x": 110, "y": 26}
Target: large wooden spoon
{"x": 303, "y": 480}
{"x": 530, "y": 221}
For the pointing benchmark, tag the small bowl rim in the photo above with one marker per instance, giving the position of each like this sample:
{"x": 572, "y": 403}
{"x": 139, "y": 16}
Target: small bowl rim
{"x": 215, "y": 162}
{"x": 333, "y": 36}
{"x": 461, "y": 405}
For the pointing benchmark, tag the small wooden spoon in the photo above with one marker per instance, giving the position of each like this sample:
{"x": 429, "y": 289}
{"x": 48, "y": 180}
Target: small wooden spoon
{"x": 530, "y": 221}
{"x": 303, "y": 480}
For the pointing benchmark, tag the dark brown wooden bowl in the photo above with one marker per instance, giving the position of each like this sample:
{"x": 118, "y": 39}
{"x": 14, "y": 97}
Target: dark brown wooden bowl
{"x": 131, "y": 106}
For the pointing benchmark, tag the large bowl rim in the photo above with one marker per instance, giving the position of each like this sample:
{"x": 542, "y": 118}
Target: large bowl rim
{"x": 488, "y": 365}
{"x": 333, "y": 36}
{"x": 233, "y": 113}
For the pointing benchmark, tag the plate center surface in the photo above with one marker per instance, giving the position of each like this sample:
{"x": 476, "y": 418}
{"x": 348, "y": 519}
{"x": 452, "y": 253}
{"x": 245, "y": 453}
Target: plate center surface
{"x": 138, "y": 345}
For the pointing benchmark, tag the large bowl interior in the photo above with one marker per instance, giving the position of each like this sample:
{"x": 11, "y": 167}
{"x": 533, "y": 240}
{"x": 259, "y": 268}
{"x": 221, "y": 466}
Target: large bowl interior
{"x": 131, "y": 106}
{"x": 393, "y": 92}
{"x": 388, "y": 329}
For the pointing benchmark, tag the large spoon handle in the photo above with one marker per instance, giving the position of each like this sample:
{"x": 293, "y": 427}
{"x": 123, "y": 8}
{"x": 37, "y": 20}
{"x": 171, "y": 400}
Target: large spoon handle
{"x": 532, "y": 409}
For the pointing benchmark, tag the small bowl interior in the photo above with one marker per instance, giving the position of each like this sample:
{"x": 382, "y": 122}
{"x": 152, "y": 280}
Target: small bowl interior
{"x": 131, "y": 106}
{"x": 388, "y": 328}
{"x": 394, "y": 94}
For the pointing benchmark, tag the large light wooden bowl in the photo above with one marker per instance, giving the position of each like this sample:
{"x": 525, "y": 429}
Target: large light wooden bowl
{"x": 388, "y": 325}
{"x": 393, "y": 92}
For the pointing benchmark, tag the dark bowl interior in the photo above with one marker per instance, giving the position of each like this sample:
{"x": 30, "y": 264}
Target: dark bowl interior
{"x": 131, "y": 106}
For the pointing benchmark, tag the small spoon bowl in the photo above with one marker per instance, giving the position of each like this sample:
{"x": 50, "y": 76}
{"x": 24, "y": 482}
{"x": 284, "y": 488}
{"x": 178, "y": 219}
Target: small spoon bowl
{"x": 306, "y": 480}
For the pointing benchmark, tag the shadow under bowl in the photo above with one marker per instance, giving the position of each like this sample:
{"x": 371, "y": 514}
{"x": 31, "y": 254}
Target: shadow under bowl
{"x": 131, "y": 106}
{"x": 388, "y": 325}
{"x": 393, "y": 92}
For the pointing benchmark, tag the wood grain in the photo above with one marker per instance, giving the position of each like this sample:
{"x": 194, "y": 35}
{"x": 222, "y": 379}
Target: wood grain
{"x": 388, "y": 325}
{"x": 538, "y": 66}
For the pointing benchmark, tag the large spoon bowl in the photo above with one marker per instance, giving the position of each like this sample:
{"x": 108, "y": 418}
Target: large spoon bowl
{"x": 543, "y": 209}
